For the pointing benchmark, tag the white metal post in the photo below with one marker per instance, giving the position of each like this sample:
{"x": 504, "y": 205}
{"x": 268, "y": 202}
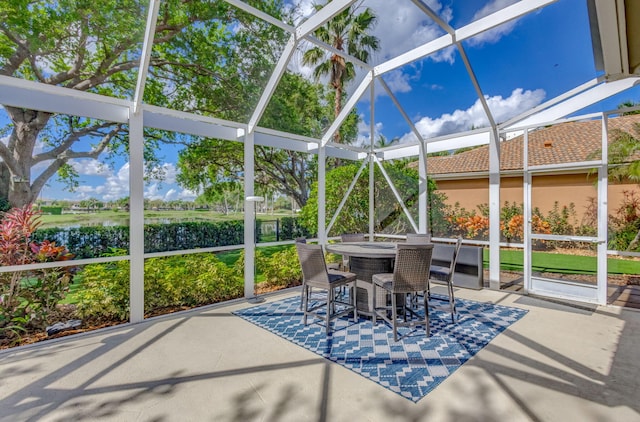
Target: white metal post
{"x": 603, "y": 215}
{"x": 526, "y": 201}
{"x": 322, "y": 194}
{"x": 372, "y": 208}
{"x": 249, "y": 218}
{"x": 136, "y": 217}
{"x": 372, "y": 127}
{"x": 494, "y": 211}
{"x": 423, "y": 189}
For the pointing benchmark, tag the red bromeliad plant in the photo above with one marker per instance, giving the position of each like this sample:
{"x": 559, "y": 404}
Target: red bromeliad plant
{"x": 28, "y": 296}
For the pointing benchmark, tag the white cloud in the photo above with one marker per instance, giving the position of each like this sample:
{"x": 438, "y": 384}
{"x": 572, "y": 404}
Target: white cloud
{"x": 364, "y": 131}
{"x": 187, "y": 195}
{"x": 171, "y": 195}
{"x": 152, "y": 192}
{"x": 398, "y": 82}
{"x": 117, "y": 185}
{"x": 475, "y": 117}
{"x": 90, "y": 167}
{"x": 170, "y": 172}
{"x": 402, "y": 27}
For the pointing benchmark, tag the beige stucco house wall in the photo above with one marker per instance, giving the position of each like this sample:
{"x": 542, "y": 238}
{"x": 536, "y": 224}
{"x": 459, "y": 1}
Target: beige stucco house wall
{"x": 464, "y": 179}
{"x": 546, "y": 190}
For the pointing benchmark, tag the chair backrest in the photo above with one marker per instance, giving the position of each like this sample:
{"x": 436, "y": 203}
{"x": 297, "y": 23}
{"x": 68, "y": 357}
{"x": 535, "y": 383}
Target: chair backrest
{"x": 454, "y": 258}
{"x": 352, "y": 237}
{"x": 314, "y": 267}
{"x": 411, "y": 270}
{"x": 301, "y": 240}
{"x": 418, "y": 238}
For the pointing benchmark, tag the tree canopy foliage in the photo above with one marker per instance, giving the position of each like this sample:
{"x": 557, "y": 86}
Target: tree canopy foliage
{"x": 208, "y": 58}
{"x": 297, "y": 106}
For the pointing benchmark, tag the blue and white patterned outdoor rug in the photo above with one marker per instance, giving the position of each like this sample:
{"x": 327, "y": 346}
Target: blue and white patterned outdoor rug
{"x": 411, "y": 367}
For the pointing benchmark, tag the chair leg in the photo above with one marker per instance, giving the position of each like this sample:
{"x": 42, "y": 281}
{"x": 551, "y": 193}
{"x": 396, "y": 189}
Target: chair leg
{"x": 302, "y": 295}
{"x": 352, "y": 292}
{"x": 305, "y": 305}
{"x": 452, "y": 302}
{"x": 426, "y": 314}
{"x": 394, "y": 314}
{"x": 373, "y": 308}
{"x": 330, "y": 304}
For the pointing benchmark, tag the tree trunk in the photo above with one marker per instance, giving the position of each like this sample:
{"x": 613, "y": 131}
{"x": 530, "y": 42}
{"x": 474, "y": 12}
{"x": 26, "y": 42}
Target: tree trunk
{"x": 18, "y": 157}
{"x": 4, "y": 181}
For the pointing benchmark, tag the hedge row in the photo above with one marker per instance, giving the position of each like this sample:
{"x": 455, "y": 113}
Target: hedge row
{"x": 291, "y": 228}
{"x": 96, "y": 241}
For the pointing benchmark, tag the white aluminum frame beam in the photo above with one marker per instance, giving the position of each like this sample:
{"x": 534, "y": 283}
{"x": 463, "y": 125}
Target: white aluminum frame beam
{"x": 560, "y": 98}
{"x": 579, "y": 101}
{"x": 277, "y": 73}
{"x": 351, "y": 103}
{"x": 22, "y": 93}
{"x": 292, "y": 30}
{"x": 321, "y": 17}
{"x": 145, "y": 57}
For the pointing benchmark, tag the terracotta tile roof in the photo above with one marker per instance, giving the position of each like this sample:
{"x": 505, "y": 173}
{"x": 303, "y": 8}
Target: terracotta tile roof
{"x": 563, "y": 143}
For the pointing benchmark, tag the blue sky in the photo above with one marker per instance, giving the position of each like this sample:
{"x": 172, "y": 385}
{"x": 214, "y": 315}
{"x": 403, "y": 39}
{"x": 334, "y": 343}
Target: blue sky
{"x": 518, "y": 65}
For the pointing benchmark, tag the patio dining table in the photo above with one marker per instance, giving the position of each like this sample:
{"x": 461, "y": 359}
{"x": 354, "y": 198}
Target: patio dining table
{"x": 365, "y": 260}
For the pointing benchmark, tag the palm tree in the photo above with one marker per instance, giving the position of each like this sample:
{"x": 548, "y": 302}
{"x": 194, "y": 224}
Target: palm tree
{"x": 346, "y": 32}
{"x": 623, "y": 150}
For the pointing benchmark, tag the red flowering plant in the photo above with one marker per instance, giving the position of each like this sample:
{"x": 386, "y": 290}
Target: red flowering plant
{"x": 27, "y": 297}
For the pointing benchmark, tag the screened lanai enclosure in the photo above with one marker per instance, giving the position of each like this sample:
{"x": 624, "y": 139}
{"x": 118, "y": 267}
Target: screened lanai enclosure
{"x": 493, "y": 120}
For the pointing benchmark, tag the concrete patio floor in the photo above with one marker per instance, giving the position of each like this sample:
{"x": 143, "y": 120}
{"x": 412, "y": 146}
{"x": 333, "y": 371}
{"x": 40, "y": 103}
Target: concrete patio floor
{"x": 558, "y": 363}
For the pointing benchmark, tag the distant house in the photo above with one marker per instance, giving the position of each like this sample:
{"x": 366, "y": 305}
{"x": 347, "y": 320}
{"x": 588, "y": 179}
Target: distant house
{"x": 464, "y": 177}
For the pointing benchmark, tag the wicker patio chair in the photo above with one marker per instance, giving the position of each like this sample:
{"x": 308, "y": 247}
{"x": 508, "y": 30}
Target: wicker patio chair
{"x": 316, "y": 275}
{"x": 445, "y": 274}
{"x": 418, "y": 238}
{"x": 353, "y": 237}
{"x": 410, "y": 276}
{"x": 350, "y": 238}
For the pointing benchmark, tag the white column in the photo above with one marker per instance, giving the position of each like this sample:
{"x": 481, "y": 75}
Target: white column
{"x": 494, "y": 211}
{"x": 603, "y": 213}
{"x": 372, "y": 208}
{"x": 136, "y": 217}
{"x": 249, "y": 218}
{"x": 423, "y": 189}
{"x": 322, "y": 195}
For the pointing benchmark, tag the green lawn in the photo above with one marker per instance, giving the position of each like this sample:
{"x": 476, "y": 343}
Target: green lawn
{"x": 562, "y": 264}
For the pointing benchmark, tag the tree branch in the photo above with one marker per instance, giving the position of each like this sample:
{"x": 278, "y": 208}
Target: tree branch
{"x": 69, "y": 141}
{"x": 96, "y": 150}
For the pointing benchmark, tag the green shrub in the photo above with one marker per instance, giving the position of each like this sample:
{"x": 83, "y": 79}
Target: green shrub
{"x": 292, "y": 227}
{"x": 27, "y": 297}
{"x": 191, "y": 280}
{"x": 281, "y": 269}
{"x": 96, "y": 241}
{"x": 624, "y": 224}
